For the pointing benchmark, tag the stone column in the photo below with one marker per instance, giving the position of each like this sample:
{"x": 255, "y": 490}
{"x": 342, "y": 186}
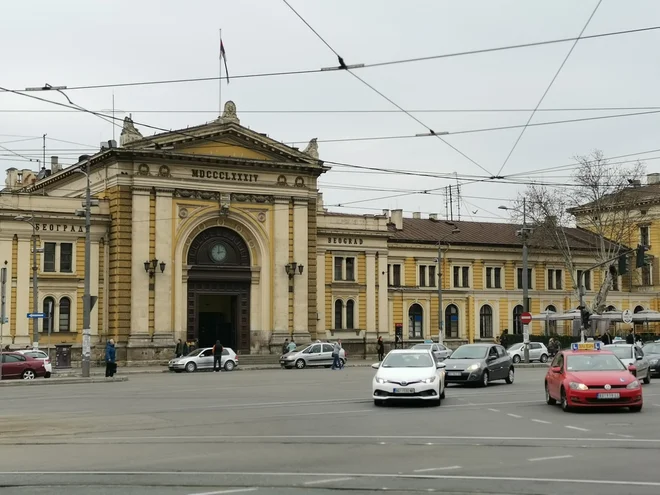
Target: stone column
{"x": 384, "y": 325}
{"x": 371, "y": 295}
{"x": 300, "y": 281}
{"x": 280, "y": 245}
{"x": 321, "y": 330}
{"x": 163, "y": 302}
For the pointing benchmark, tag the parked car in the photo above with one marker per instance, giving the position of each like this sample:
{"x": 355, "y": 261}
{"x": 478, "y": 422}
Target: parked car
{"x": 630, "y": 354}
{"x": 316, "y": 354}
{"x": 480, "y": 364}
{"x": 17, "y": 365}
{"x": 440, "y": 352}
{"x": 39, "y": 355}
{"x": 202, "y": 359}
{"x": 652, "y": 353}
{"x": 537, "y": 352}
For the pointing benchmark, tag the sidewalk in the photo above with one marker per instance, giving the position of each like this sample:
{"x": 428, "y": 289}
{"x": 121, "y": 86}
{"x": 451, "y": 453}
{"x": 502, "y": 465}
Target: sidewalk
{"x": 61, "y": 381}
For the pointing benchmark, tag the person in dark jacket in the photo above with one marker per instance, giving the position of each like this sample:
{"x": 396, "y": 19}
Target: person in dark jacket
{"x": 606, "y": 339}
{"x": 381, "y": 349}
{"x": 110, "y": 359}
{"x": 178, "y": 351}
{"x": 285, "y": 346}
{"x": 630, "y": 339}
{"x": 217, "y": 356}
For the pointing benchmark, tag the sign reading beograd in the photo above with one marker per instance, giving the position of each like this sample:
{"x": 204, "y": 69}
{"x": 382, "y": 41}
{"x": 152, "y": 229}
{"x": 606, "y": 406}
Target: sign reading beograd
{"x": 199, "y": 173}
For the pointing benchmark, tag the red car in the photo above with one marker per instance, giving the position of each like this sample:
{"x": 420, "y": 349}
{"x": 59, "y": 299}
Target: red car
{"x": 588, "y": 377}
{"x": 16, "y": 365}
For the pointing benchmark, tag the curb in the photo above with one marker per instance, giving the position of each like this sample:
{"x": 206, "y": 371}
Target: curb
{"x": 61, "y": 381}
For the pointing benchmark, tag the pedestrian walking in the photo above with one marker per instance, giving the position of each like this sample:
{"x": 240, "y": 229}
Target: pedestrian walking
{"x": 630, "y": 339}
{"x": 380, "y": 348}
{"x": 217, "y": 356}
{"x": 336, "y": 361}
{"x": 285, "y": 346}
{"x": 110, "y": 359}
{"x": 178, "y": 350}
{"x": 606, "y": 339}
{"x": 292, "y": 345}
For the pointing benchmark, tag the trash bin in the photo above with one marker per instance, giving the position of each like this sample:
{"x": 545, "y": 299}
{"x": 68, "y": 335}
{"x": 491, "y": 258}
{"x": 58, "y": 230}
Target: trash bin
{"x": 62, "y": 356}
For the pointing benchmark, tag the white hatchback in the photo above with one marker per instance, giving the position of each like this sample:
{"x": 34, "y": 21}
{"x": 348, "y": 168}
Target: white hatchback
{"x": 48, "y": 366}
{"x": 407, "y": 374}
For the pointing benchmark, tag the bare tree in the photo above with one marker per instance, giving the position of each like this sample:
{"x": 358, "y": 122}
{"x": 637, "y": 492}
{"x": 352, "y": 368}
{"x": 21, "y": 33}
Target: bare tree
{"x": 596, "y": 211}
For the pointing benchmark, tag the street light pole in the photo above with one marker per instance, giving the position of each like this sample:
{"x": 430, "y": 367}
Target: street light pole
{"x": 35, "y": 287}
{"x": 86, "y": 344}
{"x": 525, "y": 280}
{"x": 455, "y": 230}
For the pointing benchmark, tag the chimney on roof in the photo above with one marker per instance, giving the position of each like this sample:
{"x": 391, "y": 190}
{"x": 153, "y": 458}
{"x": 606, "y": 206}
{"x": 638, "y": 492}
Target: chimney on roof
{"x": 55, "y": 164}
{"x": 417, "y": 215}
{"x": 652, "y": 179}
{"x": 396, "y": 218}
{"x": 433, "y": 216}
{"x": 386, "y": 213}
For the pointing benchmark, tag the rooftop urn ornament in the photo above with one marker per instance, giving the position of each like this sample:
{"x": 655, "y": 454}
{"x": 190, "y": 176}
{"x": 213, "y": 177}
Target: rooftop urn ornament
{"x": 229, "y": 114}
{"x": 312, "y": 149}
{"x": 129, "y": 133}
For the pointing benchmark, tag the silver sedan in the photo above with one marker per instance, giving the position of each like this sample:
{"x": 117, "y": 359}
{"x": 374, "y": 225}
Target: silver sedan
{"x": 630, "y": 354}
{"x": 202, "y": 359}
{"x": 439, "y": 351}
{"x": 316, "y": 354}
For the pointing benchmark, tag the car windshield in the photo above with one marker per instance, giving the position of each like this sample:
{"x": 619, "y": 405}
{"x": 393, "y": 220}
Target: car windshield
{"x": 422, "y": 346}
{"x": 470, "y": 352}
{"x": 621, "y": 351}
{"x": 594, "y": 362}
{"x": 651, "y": 349}
{"x": 193, "y": 353}
{"x": 407, "y": 360}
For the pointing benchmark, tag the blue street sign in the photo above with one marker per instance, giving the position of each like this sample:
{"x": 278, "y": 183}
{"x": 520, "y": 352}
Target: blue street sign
{"x": 36, "y": 315}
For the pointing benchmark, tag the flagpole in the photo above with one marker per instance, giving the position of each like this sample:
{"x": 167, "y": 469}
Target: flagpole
{"x": 220, "y": 78}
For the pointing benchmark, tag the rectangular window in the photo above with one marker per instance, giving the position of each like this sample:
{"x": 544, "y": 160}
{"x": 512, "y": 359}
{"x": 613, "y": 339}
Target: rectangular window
{"x": 457, "y": 276}
{"x": 396, "y": 275}
{"x": 422, "y": 276}
{"x": 644, "y": 236}
{"x": 493, "y": 277}
{"x": 646, "y": 275}
{"x": 615, "y": 283}
{"x": 432, "y": 276}
{"x": 49, "y": 256}
{"x": 66, "y": 257}
{"x": 350, "y": 269}
{"x": 462, "y": 276}
{"x": 466, "y": 276}
{"x": 339, "y": 268}
{"x": 585, "y": 278}
{"x": 554, "y": 279}
{"x": 520, "y": 278}
{"x": 389, "y": 275}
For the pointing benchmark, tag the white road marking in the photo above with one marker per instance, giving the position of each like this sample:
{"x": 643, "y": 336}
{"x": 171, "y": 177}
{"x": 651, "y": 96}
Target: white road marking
{"x": 620, "y": 435}
{"x": 541, "y": 421}
{"x": 514, "y": 415}
{"x": 535, "y": 459}
{"x": 320, "y": 482}
{"x": 576, "y": 428}
{"x": 494, "y": 410}
{"x": 236, "y": 490}
{"x": 436, "y": 469}
{"x": 578, "y": 481}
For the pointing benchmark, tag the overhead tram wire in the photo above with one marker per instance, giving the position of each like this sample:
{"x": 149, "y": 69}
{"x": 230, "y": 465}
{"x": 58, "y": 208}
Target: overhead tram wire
{"x": 365, "y": 66}
{"x": 342, "y": 65}
{"x": 547, "y": 90}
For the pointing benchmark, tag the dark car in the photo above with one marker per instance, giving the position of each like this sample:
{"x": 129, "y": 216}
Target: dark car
{"x": 480, "y": 364}
{"x": 17, "y": 365}
{"x": 652, "y": 353}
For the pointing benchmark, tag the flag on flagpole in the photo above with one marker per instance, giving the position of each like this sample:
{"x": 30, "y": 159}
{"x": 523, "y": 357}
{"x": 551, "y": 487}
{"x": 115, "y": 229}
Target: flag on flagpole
{"x": 223, "y": 57}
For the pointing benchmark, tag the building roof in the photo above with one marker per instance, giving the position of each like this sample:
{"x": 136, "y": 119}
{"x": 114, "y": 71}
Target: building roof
{"x": 630, "y": 197}
{"x": 427, "y": 231}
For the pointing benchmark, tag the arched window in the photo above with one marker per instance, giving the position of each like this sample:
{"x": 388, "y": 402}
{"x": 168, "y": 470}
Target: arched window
{"x": 65, "y": 315}
{"x": 551, "y": 325}
{"x": 339, "y": 310}
{"x": 486, "y": 322}
{"x": 416, "y": 319}
{"x": 350, "y": 309}
{"x": 639, "y": 325}
{"x": 517, "y": 324}
{"x": 610, "y": 308}
{"x": 451, "y": 321}
{"x": 49, "y": 311}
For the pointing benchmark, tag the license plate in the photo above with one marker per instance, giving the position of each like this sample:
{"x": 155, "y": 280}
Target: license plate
{"x": 608, "y": 396}
{"x": 454, "y": 373}
{"x": 404, "y": 390}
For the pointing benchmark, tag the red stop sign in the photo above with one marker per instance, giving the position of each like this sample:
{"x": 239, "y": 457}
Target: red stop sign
{"x": 526, "y": 318}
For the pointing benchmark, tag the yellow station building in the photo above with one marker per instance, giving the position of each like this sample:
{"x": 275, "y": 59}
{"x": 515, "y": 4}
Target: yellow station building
{"x": 218, "y": 231}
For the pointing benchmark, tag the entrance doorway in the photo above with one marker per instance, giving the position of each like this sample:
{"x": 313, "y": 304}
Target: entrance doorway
{"x": 217, "y": 320}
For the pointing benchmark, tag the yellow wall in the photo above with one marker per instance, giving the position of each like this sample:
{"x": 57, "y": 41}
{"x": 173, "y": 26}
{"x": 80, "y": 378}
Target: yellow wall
{"x": 478, "y": 275}
{"x": 411, "y": 272}
{"x": 329, "y": 296}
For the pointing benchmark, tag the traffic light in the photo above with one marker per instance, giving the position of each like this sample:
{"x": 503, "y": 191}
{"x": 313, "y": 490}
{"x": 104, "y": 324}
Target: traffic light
{"x": 622, "y": 266}
{"x": 642, "y": 259}
{"x": 584, "y": 315}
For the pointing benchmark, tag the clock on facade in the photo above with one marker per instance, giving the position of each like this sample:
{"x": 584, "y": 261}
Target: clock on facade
{"x": 218, "y": 253}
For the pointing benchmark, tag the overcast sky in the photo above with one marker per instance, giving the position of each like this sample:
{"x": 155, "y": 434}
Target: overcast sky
{"x": 81, "y": 42}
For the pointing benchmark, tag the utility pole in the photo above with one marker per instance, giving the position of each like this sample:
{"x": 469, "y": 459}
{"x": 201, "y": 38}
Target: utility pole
{"x": 525, "y": 280}
{"x": 86, "y": 350}
{"x": 455, "y": 230}
{"x": 3, "y": 306}
{"x": 35, "y": 287}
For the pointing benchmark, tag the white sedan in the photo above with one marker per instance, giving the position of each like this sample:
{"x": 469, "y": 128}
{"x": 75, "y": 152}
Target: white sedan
{"x": 408, "y": 374}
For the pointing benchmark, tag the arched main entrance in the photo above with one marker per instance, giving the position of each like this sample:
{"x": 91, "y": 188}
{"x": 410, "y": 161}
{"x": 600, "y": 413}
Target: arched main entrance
{"x": 219, "y": 278}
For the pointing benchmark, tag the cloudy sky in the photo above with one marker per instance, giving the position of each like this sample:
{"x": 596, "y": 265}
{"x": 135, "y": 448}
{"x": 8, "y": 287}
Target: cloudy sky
{"x": 80, "y": 43}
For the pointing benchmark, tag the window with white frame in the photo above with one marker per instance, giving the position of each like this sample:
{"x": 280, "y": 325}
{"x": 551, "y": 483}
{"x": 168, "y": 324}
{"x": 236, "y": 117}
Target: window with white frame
{"x": 645, "y": 235}
{"x": 394, "y": 275}
{"x": 586, "y": 281}
{"x": 344, "y": 314}
{"x": 519, "y": 278}
{"x": 65, "y": 315}
{"x": 647, "y": 275}
{"x": 493, "y": 277}
{"x": 344, "y": 268}
{"x": 58, "y": 254}
{"x": 427, "y": 277}
{"x": 555, "y": 279}
{"x": 461, "y": 276}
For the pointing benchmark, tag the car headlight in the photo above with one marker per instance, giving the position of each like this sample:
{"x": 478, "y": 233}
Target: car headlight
{"x": 430, "y": 380}
{"x": 653, "y": 362}
{"x": 474, "y": 367}
{"x": 578, "y": 386}
{"x": 380, "y": 380}
{"x": 633, "y": 385}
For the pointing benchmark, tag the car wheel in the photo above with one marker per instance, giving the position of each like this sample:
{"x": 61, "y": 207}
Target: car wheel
{"x": 635, "y": 408}
{"x": 436, "y": 402}
{"x": 647, "y": 378}
{"x": 443, "y": 395}
{"x": 510, "y": 377}
{"x": 300, "y": 364}
{"x": 28, "y": 375}
{"x": 343, "y": 362}
{"x": 549, "y": 400}
{"x": 544, "y": 358}
{"x": 379, "y": 403}
{"x": 516, "y": 359}
{"x": 229, "y": 365}
{"x": 191, "y": 367}
{"x": 484, "y": 379}
{"x": 564, "y": 401}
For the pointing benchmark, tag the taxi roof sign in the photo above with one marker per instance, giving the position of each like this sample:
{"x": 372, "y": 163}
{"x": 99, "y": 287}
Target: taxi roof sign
{"x": 428, "y": 341}
{"x": 585, "y": 346}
